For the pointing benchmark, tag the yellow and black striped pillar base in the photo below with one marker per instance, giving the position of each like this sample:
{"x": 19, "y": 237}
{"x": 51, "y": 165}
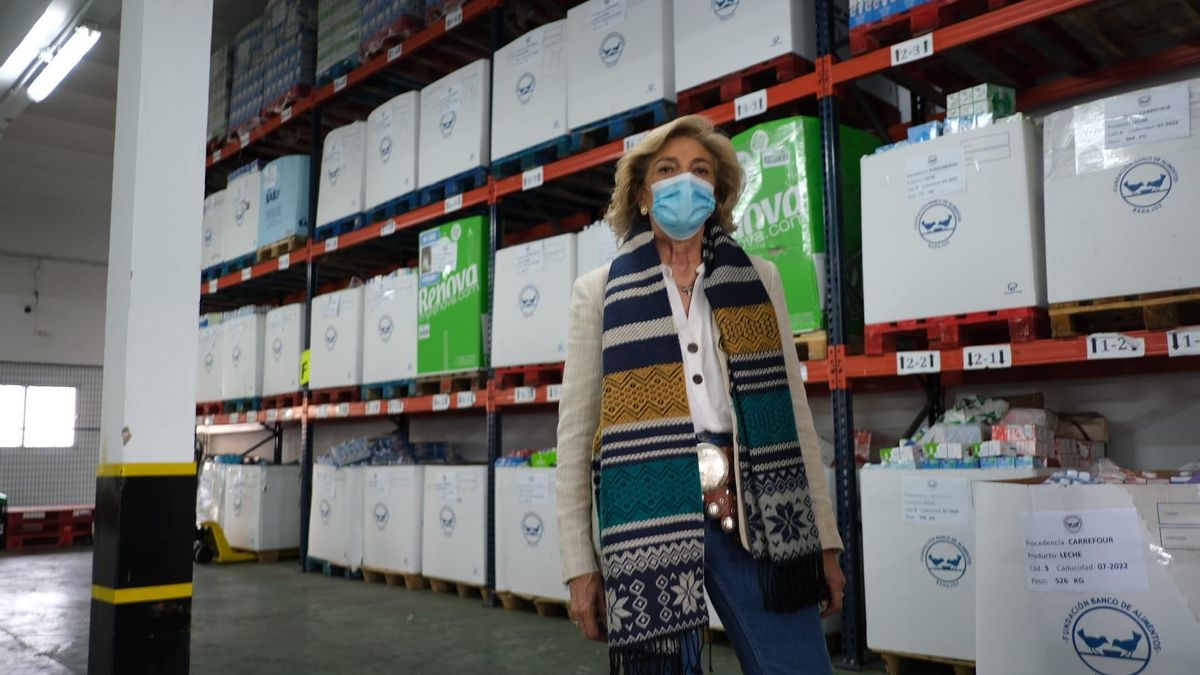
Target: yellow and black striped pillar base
{"x": 142, "y": 568}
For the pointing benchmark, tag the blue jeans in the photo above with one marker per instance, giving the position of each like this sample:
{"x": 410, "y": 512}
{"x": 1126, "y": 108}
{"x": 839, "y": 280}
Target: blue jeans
{"x": 766, "y": 643}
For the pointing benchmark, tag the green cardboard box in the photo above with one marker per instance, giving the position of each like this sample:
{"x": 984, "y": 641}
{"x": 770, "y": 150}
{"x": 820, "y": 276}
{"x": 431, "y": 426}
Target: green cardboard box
{"x": 451, "y": 296}
{"x": 781, "y": 214}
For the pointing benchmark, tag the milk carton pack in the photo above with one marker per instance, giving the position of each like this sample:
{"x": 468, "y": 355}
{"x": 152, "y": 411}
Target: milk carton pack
{"x": 208, "y": 359}
{"x": 283, "y": 341}
{"x": 455, "y": 123}
{"x": 260, "y": 511}
{"x": 619, "y": 57}
{"x": 1120, "y": 207}
{"x": 953, "y": 225}
{"x": 527, "y": 533}
{"x": 390, "y": 327}
{"x": 454, "y": 524}
{"x": 529, "y": 92}
{"x": 392, "y": 149}
{"x": 596, "y": 245}
{"x": 284, "y": 199}
{"x": 335, "y": 523}
{"x": 1088, "y": 579}
{"x": 212, "y": 229}
{"x": 210, "y": 492}
{"x": 343, "y": 168}
{"x": 242, "y": 354}
{"x": 242, "y": 205}
{"x": 339, "y": 32}
{"x": 392, "y": 513}
{"x": 727, "y": 35}
{"x": 531, "y": 314}
{"x": 451, "y": 296}
{"x": 336, "y": 340}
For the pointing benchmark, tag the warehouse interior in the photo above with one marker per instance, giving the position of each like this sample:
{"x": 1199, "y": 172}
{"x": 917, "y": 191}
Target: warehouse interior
{"x": 395, "y": 433}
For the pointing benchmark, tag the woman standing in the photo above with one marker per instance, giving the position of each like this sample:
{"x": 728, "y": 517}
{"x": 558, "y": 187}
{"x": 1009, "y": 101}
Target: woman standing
{"x": 687, "y": 454}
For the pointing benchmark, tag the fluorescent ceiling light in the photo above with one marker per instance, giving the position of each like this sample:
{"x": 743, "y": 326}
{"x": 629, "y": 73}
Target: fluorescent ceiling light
{"x": 81, "y": 42}
{"x": 39, "y": 37}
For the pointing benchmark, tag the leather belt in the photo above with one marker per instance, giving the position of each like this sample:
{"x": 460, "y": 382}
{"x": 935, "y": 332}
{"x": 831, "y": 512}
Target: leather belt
{"x": 717, "y": 484}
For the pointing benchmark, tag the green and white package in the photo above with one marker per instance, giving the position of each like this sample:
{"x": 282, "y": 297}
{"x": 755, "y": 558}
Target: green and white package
{"x": 451, "y": 296}
{"x": 780, "y": 215}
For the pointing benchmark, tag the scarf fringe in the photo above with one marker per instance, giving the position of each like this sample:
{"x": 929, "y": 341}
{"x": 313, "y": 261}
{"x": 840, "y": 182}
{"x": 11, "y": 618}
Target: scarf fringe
{"x": 793, "y": 585}
{"x": 674, "y": 655}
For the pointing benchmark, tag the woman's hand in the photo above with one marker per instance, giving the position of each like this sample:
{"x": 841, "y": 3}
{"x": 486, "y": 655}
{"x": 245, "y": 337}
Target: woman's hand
{"x": 587, "y": 606}
{"x": 833, "y": 578}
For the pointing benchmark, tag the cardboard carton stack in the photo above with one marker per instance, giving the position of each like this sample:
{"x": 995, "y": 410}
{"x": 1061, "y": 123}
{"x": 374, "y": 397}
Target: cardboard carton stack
{"x": 289, "y": 51}
{"x": 246, "y": 92}
{"x": 219, "y": 80}
{"x": 339, "y": 31}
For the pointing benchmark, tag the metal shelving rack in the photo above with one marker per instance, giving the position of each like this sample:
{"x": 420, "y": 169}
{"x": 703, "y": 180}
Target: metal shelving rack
{"x": 321, "y": 266}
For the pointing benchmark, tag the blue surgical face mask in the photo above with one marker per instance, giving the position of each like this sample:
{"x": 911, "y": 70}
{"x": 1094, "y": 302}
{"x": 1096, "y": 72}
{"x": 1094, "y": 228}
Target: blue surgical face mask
{"x": 682, "y": 204}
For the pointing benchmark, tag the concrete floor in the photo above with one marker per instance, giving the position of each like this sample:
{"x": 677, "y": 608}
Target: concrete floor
{"x": 265, "y": 618}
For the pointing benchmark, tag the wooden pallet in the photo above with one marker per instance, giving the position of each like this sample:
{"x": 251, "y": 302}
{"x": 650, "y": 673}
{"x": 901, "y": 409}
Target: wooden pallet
{"x": 812, "y": 346}
{"x": 334, "y": 395}
{"x": 242, "y": 405}
{"x": 924, "y": 18}
{"x": 209, "y": 408}
{"x": 454, "y": 185}
{"x": 1146, "y": 311}
{"x": 538, "y": 375}
{"x": 275, "y": 249}
{"x": 286, "y": 99}
{"x": 409, "y": 580}
{"x": 60, "y": 538}
{"x": 291, "y": 399}
{"x": 316, "y": 565}
{"x": 390, "y": 35}
{"x": 394, "y": 207}
{"x": 463, "y": 590}
{"x": 389, "y": 390}
{"x": 276, "y": 555}
{"x": 541, "y": 154}
{"x": 726, "y": 88}
{"x": 451, "y": 383}
{"x": 543, "y": 606}
{"x": 341, "y": 226}
{"x": 961, "y": 330}
{"x": 47, "y": 518}
{"x": 898, "y": 663}
{"x": 337, "y": 70}
{"x": 619, "y": 126}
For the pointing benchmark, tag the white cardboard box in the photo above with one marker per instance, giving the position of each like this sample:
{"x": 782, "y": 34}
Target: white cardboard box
{"x": 930, "y": 560}
{"x": 208, "y": 359}
{"x": 392, "y": 148}
{"x": 242, "y": 200}
{"x": 724, "y": 36}
{"x": 335, "y": 525}
{"x": 213, "y": 229}
{"x": 392, "y": 504}
{"x": 954, "y": 225}
{"x": 1120, "y": 207}
{"x": 528, "y": 562}
{"x": 619, "y": 57}
{"x": 531, "y": 314}
{"x": 596, "y": 245}
{"x": 343, "y": 174}
{"x": 529, "y": 91}
{"x": 261, "y": 507}
{"x": 336, "y": 339}
{"x": 390, "y": 327}
{"x": 455, "y": 124}
{"x": 454, "y": 524}
{"x": 242, "y": 355}
{"x": 1140, "y": 619}
{"x": 210, "y": 493}
{"x": 283, "y": 343}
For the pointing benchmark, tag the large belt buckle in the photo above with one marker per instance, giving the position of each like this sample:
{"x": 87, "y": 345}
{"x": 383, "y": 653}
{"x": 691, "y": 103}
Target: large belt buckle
{"x": 714, "y": 467}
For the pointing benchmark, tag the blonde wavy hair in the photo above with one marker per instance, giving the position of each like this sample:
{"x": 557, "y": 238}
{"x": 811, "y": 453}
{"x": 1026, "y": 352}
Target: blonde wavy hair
{"x": 623, "y": 213}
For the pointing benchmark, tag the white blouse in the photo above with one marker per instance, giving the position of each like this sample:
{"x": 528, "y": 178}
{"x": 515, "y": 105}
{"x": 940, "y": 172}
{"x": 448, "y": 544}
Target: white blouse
{"x": 699, "y": 338}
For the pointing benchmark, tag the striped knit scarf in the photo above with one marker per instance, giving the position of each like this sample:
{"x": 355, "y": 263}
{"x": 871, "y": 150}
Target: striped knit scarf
{"x": 645, "y": 467}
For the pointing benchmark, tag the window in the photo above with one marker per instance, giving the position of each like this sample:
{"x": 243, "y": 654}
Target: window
{"x": 37, "y": 417}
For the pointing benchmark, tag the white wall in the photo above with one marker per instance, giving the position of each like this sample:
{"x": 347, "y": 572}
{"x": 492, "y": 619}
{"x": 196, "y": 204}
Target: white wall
{"x": 66, "y": 324}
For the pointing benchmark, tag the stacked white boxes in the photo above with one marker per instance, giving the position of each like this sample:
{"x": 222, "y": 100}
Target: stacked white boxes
{"x": 390, "y": 328}
{"x": 919, "y": 541}
{"x": 260, "y": 511}
{"x": 242, "y": 354}
{"x": 208, "y": 359}
{"x": 219, "y": 78}
{"x": 338, "y": 33}
{"x": 213, "y": 229}
{"x": 284, "y": 210}
{"x": 1117, "y": 570}
{"x": 392, "y": 149}
{"x": 527, "y": 557}
{"x": 529, "y": 91}
{"x": 954, "y": 225}
{"x": 1120, "y": 214}
{"x": 455, "y": 123}
{"x": 454, "y": 524}
{"x": 531, "y": 315}
{"x": 392, "y": 518}
{"x": 210, "y": 493}
{"x": 343, "y": 172}
{"x": 726, "y": 36}
{"x": 335, "y": 525}
{"x": 336, "y": 339}
{"x": 243, "y": 199}
{"x": 596, "y": 246}
{"x": 619, "y": 57}
{"x": 283, "y": 343}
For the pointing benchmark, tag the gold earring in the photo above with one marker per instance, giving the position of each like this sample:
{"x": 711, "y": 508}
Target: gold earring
{"x": 645, "y": 210}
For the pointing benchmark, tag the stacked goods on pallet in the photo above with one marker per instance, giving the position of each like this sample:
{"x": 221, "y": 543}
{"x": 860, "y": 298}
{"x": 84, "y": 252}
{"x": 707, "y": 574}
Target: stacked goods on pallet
{"x": 436, "y": 10}
{"x": 283, "y": 341}
{"x": 1080, "y": 439}
{"x": 210, "y": 493}
{"x": 208, "y": 359}
{"x": 335, "y": 525}
{"x": 289, "y": 52}
{"x": 213, "y": 230}
{"x": 1118, "y": 220}
{"x": 728, "y": 36}
{"x": 529, "y": 92}
{"x": 243, "y": 207}
{"x": 390, "y": 328}
{"x": 343, "y": 167}
{"x": 596, "y": 246}
{"x": 953, "y": 225}
{"x": 1106, "y": 575}
{"x": 246, "y": 90}
{"x": 455, "y": 122}
{"x": 260, "y": 511}
{"x": 219, "y": 79}
{"x": 392, "y": 515}
{"x": 454, "y": 523}
{"x": 863, "y": 12}
{"x": 451, "y": 296}
{"x": 242, "y": 353}
{"x": 532, "y": 301}
{"x": 619, "y": 57}
{"x": 336, "y": 339}
{"x": 384, "y": 22}
{"x": 338, "y": 35}
{"x": 528, "y": 563}
{"x": 391, "y": 150}
{"x": 284, "y": 200}
{"x": 780, "y": 214}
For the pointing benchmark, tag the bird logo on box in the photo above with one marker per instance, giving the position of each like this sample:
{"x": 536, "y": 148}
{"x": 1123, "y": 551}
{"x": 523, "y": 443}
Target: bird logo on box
{"x": 448, "y": 519}
{"x": 1144, "y": 183}
{"x": 330, "y": 338}
{"x": 937, "y": 221}
{"x": 532, "y": 528}
{"x": 326, "y": 511}
{"x": 208, "y": 362}
{"x": 1073, "y": 523}
{"x": 236, "y": 355}
{"x": 525, "y": 86}
{"x": 724, "y": 9}
{"x": 611, "y": 48}
{"x": 277, "y": 348}
{"x": 381, "y": 515}
{"x": 528, "y": 299}
{"x": 946, "y": 560}
{"x": 447, "y": 123}
{"x": 334, "y": 174}
{"x": 385, "y": 148}
{"x": 1111, "y": 636}
{"x": 385, "y": 328}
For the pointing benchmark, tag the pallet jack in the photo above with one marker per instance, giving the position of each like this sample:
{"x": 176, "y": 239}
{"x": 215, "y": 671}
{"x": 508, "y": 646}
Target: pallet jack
{"x": 211, "y": 545}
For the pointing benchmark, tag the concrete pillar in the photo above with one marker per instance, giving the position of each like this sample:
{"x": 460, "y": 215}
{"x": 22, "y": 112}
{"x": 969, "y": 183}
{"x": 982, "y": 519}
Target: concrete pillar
{"x": 146, "y": 479}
